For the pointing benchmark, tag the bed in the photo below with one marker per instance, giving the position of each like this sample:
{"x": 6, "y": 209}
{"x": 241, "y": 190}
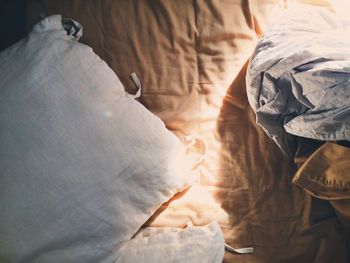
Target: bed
{"x": 191, "y": 59}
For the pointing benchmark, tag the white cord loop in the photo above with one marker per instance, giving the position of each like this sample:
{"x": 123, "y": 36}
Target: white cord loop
{"x": 137, "y": 84}
{"x": 243, "y": 250}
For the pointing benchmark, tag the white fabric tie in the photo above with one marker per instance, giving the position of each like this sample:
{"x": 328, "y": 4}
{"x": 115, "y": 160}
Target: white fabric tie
{"x": 137, "y": 82}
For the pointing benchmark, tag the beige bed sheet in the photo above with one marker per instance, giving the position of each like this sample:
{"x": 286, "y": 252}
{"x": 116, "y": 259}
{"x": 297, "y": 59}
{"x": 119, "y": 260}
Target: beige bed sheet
{"x": 189, "y": 57}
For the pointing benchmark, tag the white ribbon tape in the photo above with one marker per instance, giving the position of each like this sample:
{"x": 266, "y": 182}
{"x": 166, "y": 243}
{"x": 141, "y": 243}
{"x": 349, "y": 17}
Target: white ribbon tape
{"x": 137, "y": 84}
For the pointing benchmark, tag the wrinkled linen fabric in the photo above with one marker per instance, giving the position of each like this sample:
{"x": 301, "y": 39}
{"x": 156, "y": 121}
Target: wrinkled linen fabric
{"x": 299, "y": 77}
{"x": 326, "y": 175}
{"x": 83, "y": 164}
{"x": 194, "y": 244}
{"x": 187, "y": 54}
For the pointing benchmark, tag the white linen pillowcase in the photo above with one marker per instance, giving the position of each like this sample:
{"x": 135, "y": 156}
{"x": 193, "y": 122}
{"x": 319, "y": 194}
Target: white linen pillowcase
{"x": 83, "y": 165}
{"x": 194, "y": 244}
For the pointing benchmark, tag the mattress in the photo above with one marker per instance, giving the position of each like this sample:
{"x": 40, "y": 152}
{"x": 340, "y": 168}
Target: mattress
{"x": 191, "y": 59}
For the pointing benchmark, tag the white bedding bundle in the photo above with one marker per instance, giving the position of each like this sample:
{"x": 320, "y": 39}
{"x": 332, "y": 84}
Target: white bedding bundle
{"x": 298, "y": 82}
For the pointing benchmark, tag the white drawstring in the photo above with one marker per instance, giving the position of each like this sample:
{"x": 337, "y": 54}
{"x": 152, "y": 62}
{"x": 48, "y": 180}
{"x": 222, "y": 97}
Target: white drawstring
{"x": 137, "y": 84}
{"x": 243, "y": 250}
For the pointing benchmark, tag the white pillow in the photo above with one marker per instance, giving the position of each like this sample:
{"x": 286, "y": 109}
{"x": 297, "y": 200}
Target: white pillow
{"x": 82, "y": 164}
{"x": 194, "y": 244}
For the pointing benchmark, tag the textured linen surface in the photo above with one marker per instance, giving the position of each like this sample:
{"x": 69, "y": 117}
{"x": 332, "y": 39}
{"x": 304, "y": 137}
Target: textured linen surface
{"x": 298, "y": 79}
{"x": 201, "y": 244}
{"x": 83, "y": 164}
{"x": 188, "y": 56}
{"x": 326, "y": 175}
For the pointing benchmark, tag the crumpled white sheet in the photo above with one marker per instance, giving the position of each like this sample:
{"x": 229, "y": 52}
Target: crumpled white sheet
{"x": 298, "y": 82}
{"x": 194, "y": 244}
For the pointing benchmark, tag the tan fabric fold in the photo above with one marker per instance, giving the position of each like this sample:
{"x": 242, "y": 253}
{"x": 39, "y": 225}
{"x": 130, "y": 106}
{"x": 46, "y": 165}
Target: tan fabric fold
{"x": 326, "y": 174}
